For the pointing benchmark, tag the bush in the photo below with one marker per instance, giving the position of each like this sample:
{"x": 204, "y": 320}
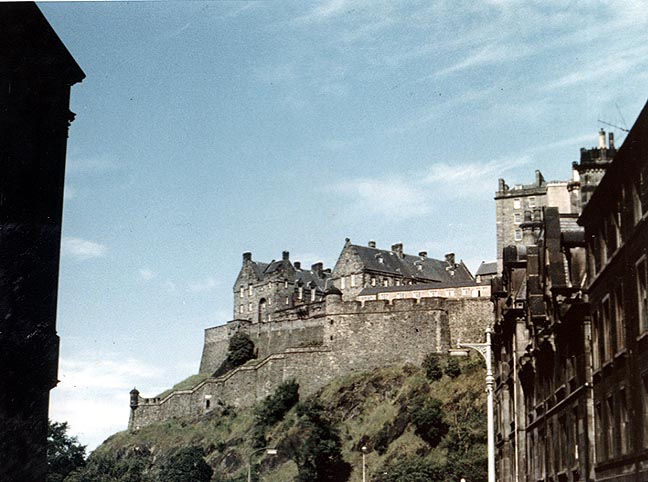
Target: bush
{"x": 273, "y": 409}
{"x": 427, "y": 416}
{"x": 185, "y": 465}
{"x": 432, "y": 367}
{"x": 239, "y": 351}
{"x": 452, "y": 369}
{"x": 413, "y": 469}
{"x": 319, "y": 456}
{"x": 104, "y": 468}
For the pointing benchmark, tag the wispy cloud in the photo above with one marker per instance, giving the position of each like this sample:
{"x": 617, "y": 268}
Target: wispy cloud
{"x": 203, "y": 286}
{"x": 82, "y": 249}
{"x": 146, "y": 274}
{"x": 491, "y": 54}
{"x": 90, "y": 165}
{"x": 93, "y": 393}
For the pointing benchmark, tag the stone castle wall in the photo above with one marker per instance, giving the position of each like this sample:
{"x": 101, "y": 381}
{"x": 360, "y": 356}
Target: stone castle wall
{"x": 338, "y": 339}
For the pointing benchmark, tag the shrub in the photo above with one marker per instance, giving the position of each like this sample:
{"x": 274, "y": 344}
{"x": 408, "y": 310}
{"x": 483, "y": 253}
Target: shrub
{"x": 452, "y": 369}
{"x": 185, "y": 465}
{"x": 432, "y": 367}
{"x": 319, "y": 456}
{"x": 412, "y": 469}
{"x": 64, "y": 453}
{"x": 239, "y": 351}
{"x": 427, "y": 416}
{"x": 273, "y": 409}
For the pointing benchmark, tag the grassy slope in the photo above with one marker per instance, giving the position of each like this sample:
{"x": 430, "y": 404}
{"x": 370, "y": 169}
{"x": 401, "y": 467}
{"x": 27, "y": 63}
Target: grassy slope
{"x": 368, "y": 409}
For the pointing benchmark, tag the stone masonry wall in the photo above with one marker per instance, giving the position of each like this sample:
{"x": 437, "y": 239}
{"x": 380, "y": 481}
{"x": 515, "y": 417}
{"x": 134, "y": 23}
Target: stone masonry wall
{"x": 344, "y": 338}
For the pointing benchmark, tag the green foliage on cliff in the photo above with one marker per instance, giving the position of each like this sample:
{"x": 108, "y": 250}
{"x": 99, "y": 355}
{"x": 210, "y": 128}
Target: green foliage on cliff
{"x": 185, "y": 465}
{"x": 64, "y": 453}
{"x": 273, "y": 409}
{"x": 240, "y": 351}
{"x": 444, "y": 438}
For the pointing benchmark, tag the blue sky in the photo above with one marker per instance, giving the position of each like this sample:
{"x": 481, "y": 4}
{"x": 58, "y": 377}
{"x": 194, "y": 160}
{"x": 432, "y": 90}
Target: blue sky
{"x": 206, "y": 129}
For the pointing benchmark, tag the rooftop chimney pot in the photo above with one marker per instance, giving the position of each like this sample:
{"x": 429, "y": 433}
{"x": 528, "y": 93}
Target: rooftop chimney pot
{"x": 372, "y": 244}
{"x": 247, "y": 256}
{"x": 602, "y": 139}
{"x": 285, "y": 255}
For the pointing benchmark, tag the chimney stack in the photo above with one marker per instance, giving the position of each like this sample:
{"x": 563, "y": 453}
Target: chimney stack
{"x": 297, "y": 264}
{"x": 450, "y": 259}
{"x": 285, "y": 255}
{"x": 423, "y": 254}
{"x": 602, "y": 139}
{"x": 611, "y": 138}
{"x": 317, "y": 267}
{"x": 398, "y": 249}
{"x": 372, "y": 244}
{"x": 247, "y": 256}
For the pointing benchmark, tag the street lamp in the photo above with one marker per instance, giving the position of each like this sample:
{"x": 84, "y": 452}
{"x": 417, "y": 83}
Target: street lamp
{"x": 268, "y": 451}
{"x": 364, "y": 464}
{"x": 484, "y": 349}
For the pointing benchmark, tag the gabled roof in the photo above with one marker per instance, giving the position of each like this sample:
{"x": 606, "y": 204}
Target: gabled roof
{"x": 408, "y": 266}
{"x": 486, "y": 269}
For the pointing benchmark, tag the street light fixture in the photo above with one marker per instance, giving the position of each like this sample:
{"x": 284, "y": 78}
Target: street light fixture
{"x": 484, "y": 349}
{"x": 364, "y": 464}
{"x": 268, "y": 451}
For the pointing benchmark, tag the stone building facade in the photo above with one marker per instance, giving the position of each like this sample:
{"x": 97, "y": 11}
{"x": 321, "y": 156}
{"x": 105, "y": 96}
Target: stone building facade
{"x": 36, "y": 75}
{"x": 616, "y": 229}
{"x": 571, "y": 325}
{"x": 543, "y": 381}
{"x": 568, "y": 196}
{"x": 310, "y": 333}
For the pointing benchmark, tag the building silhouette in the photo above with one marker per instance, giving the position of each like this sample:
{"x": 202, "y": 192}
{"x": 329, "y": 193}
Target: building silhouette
{"x": 36, "y": 74}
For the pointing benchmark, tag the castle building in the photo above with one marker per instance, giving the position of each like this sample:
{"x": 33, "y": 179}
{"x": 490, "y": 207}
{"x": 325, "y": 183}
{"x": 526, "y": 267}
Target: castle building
{"x": 616, "y": 230}
{"x": 314, "y": 325}
{"x": 36, "y": 74}
{"x": 360, "y": 267}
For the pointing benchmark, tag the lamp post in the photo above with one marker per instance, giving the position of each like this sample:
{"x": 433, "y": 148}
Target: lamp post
{"x": 364, "y": 464}
{"x": 268, "y": 450}
{"x": 484, "y": 349}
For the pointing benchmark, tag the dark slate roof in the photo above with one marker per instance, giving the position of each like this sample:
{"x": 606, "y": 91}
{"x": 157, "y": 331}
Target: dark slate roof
{"x": 487, "y": 268}
{"x": 262, "y": 270}
{"x": 571, "y": 232}
{"x": 408, "y": 266}
{"x": 372, "y": 290}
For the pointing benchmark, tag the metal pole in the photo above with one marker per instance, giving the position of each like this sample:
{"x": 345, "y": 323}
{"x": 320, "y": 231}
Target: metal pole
{"x": 364, "y": 464}
{"x": 490, "y": 385}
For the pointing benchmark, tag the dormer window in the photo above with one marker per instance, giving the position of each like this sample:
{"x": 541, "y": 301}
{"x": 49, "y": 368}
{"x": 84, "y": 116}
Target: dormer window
{"x": 373, "y": 281}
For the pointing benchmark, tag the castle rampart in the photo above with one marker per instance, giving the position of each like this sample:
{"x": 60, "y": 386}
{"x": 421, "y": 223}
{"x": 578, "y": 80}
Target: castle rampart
{"x": 334, "y": 339}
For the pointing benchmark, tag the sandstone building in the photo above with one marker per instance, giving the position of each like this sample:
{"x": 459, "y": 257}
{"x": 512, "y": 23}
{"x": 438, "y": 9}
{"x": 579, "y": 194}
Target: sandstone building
{"x": 317, "y": 324}
{"x": 36, "y": 74}
{"x": 570, "y": 305}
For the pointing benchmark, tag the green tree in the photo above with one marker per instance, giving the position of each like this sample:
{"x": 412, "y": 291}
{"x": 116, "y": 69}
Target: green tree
{"x": 273, "y": 409}
{"x": 185, "y": 465}
{"x": 109, "y": 468}
{"x": 427, "y": 416}
{"x": 432, "y": 367}
{"x": 318, "y": 456}
{"x": 64, "y": 453}
{"x": 239, "y": 351}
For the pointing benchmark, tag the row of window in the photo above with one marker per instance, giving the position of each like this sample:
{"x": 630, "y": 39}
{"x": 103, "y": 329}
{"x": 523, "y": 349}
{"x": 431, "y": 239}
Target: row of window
{"x": 612, "y": 426}
{"x": 354, "y": 280}
{"x": 615, "y": 226}
{"x": 608, "y": 327}
{"x": 531, "y": 203}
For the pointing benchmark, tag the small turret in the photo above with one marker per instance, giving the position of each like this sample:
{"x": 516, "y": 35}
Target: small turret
{"x": 134, "y": 398}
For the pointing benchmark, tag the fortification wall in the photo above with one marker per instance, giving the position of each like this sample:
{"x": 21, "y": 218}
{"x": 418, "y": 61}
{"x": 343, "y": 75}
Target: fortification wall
{"x": 347, "y": 337}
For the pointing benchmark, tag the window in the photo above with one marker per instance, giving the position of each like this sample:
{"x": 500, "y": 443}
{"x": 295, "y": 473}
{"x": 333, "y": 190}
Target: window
{"x": 619, "y": 318}
{"x": 287, "y": 300}
{"x": 609, "y": 428}
{"x": 286, "y": 284}
{"x": 250, "y": 290}
{"x": 603, "y": 243}
{"x": 242, "y": 291}
{"x": 613, "y": 232}
{"x": 637, "y": 211}
{"x": 373, "y": 281}
{"x": 598, "y": 431}
{"x": 300, "y": 293}
{"x": 596, "y": 361}
{"x": 312, "y": 294}
{"x": 516, "y": 203}
{"x": 250, "y": 307}
{"x": 517, "y": 218}
{"x": 342, "y": 283}
{"x": 518, "y": 235}
{"x": 623, "y": 425}
{"x": 385, "y": 282}
{"x": 353, "y": 281}
{"x": 241, "y": 308}
{"x": 606, "y": 323}
{"x": 644, "y": 399}
{"x": 532, "y": 202}
{"x": 642, "y": 295}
